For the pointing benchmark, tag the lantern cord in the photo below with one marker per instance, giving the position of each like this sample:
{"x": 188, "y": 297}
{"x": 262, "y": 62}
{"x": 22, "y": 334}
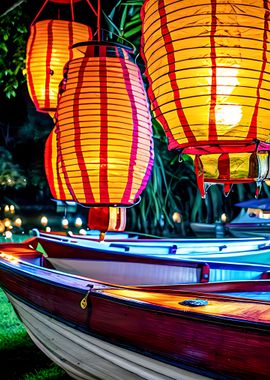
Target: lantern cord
{"x": 97, "y": 13}
{"x": 98, "y": 20}
{"x": 41, "y": 9}
{"x": 72, "y": 9}
{"x": 91, "y": 6}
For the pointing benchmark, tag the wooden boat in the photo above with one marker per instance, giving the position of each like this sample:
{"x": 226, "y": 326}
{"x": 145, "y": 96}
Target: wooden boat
{"x": 158, "y": 331}
{"x": 252, "y": 250}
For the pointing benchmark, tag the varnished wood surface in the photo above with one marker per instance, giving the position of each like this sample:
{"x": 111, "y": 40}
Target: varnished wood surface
{"x": 233, "y": 309}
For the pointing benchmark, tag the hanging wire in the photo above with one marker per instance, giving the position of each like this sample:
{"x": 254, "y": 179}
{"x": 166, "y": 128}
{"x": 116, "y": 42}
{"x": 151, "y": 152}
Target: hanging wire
{"x": 98, "y": 20}
{"x": 72, "y": 9}
{"x": 41, "y": 9}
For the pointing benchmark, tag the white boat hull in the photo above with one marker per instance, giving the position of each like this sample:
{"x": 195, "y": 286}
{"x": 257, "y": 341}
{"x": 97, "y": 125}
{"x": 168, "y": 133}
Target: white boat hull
{"x": 85, "y": 357}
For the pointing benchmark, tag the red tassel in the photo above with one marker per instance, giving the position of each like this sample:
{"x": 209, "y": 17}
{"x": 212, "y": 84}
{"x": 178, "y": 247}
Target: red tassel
{"x": 198, "y": 166}
{"x": 227, "y": 189}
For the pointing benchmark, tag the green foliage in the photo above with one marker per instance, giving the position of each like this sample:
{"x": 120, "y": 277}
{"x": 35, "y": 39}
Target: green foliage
{"x": 20, "y": 358}
{"x": 125, "y": 22}
{"x": 12, "y": 332}
{"x": 10, "y": 174}
{"x": 13, "y": 35}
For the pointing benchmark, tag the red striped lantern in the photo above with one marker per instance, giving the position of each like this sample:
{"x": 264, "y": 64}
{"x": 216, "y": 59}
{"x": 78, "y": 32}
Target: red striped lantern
{"x": 207, "y": 65}
{"x": 104, "y": 127}
{"x": 107, "y": 219}
{"x": 48, "y": 49}
{"x": 55, "y": 177}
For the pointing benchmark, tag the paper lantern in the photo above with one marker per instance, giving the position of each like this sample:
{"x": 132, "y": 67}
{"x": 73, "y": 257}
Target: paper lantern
{"x": 107, "y": 219}
{"x": 231, "y": 168}
{"x": 104, "y": 127}
{"x": 48, "y": 49}
{"x": 47, "y": 52}
{"x": 208, "y": 71}
{"x": 55, "y": 176}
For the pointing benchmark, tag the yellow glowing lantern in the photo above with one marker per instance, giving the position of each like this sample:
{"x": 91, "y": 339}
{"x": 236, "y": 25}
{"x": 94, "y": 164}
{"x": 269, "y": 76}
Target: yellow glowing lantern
{"x": 207, "y": 65}
{"x": 55, "y": 176}
{"x": 107, "y": 219}
{"x": 104, "y": 133}
{"x": 231, "y": 168}
{"x": 48, "y": 49}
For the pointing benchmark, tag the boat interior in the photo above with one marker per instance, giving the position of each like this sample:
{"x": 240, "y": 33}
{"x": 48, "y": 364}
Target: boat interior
{"x": 126, "y": 269}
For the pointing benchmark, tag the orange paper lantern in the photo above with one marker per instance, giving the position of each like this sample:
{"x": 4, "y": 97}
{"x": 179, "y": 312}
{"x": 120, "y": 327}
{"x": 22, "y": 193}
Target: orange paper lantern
{"x": 47, "y": 52}
{"x": 107, "y": 219}
{"x": 104, "y": 127}
{"x": 55, "y": 176}
{"x": 207, "y": 65}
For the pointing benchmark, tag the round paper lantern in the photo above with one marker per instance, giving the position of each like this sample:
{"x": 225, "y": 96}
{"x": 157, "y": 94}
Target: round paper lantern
{"x": 55, "y": 176}
{"x": 107, "y": 219}
{"x": 48, "y": 49}
{"x": 104, "y": 132}
{"x": 207, "y": 65}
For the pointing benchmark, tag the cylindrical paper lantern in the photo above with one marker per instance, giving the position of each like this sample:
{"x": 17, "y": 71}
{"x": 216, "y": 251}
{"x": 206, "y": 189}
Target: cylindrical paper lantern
{"x": 107, "y": 219}
{"x": 53, "y": 170}
{"x": 104, "y": 127}
{"x": 207, "y": 63}
{"x": 48, "y": 50}
{"x": 231, "y": 168}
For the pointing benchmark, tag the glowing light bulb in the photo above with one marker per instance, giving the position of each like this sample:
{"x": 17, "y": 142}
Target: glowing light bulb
{"x": 78, "y": 222}
{"x": 223, "y": 218}
{"x": 227, "y": 112}
{"x": 8, "y": 234}
{"x": 176, "y": 217}
{"x": 7, "y": 223}
{"x": 65, "y": 222}
{"x": 44, "y": 221}
{"x": 18, "y": 222}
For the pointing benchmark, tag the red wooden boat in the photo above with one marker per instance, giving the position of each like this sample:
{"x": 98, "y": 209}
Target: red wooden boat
{"x": 94, "y": 329}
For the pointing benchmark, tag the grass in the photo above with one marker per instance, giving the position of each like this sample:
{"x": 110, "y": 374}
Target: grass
{"x": 20, "y": 358}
